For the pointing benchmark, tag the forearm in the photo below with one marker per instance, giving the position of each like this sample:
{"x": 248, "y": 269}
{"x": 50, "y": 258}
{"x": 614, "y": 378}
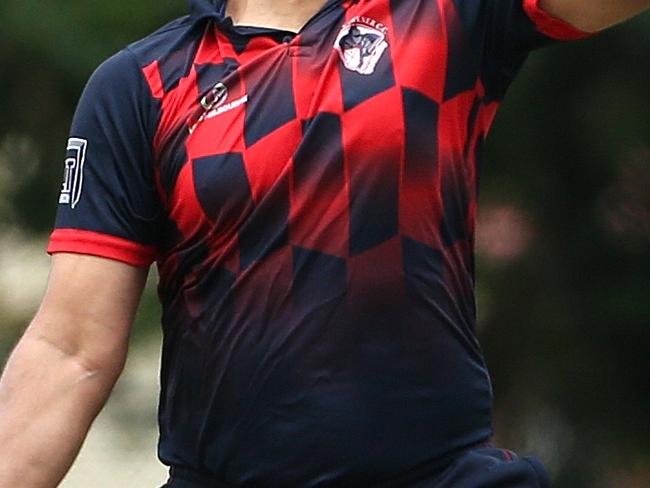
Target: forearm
{"x": 48, "y": 400}
{"x": 594, "y": 15}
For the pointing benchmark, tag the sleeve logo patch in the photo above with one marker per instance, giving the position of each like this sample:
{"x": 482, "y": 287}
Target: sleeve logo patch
{"x": 73, "y": 175}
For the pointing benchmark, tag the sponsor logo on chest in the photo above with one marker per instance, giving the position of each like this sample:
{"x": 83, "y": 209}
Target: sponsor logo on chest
{"x": 215, "y": 103}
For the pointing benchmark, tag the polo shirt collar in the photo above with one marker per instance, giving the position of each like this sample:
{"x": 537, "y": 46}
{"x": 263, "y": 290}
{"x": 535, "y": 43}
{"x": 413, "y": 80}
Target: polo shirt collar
{"x": 207, "y": 9}
{"x": 216, "y": 9}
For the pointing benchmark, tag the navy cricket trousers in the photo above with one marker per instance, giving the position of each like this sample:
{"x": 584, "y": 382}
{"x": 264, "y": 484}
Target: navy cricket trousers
{"x": 483, "y": 467}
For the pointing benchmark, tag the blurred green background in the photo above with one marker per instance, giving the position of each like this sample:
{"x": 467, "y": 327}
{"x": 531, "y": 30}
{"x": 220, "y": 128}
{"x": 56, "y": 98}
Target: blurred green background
{"x": 563, "y": 243}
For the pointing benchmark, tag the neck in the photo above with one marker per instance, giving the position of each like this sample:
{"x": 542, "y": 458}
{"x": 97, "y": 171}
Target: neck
{"x": 289, "y": 15}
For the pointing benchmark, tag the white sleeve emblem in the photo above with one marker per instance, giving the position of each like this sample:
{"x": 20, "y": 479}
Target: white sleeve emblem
{"x": 73, "y": 176}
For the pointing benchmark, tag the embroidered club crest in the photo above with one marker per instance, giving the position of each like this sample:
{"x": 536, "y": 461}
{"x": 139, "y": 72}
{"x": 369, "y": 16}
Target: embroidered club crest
{"x": 361, "y": 44}
{"x": 73, "y": 177}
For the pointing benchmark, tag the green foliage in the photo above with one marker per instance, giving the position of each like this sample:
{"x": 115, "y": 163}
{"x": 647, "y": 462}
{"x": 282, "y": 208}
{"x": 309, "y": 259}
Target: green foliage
{"x": 567, "y": 328}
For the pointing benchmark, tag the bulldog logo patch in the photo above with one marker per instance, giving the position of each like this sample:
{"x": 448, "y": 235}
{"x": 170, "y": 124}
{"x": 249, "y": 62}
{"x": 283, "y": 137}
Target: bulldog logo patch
{"x": 361, "y": 44}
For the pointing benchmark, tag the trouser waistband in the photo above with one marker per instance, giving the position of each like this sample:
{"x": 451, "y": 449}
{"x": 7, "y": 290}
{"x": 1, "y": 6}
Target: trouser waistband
{"x": 189, "y": 478}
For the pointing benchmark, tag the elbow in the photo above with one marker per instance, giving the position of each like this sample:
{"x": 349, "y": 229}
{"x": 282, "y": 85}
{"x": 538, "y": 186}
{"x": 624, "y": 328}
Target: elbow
{"x": 94, "y": 362}
{"x": 102, "y": 366}
{"x": 93, "y": 358}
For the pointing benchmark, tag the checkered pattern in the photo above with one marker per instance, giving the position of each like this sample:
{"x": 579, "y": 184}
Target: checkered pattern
{"x": 321, "y": 158}
{"x": 316, "y": 236}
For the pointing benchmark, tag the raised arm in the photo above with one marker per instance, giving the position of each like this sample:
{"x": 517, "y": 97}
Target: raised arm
{"x": 64, "y": 367}
{"x": 594, "y": 15}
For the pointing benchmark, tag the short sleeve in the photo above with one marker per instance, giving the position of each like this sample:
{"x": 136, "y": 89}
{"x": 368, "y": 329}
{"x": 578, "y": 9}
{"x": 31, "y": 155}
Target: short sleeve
{"x": 109, "y": 205}
{"x": 513, "y": 28}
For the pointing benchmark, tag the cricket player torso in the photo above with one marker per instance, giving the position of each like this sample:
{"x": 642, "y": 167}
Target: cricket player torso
{"x": 317, "y": 275}
{"x": 310, "y": 201}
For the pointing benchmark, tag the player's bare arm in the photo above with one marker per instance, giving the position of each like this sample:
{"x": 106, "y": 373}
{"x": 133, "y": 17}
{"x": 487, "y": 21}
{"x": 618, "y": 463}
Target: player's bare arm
{"x": 63, "y": 369}
{"x": 594, "y": 15}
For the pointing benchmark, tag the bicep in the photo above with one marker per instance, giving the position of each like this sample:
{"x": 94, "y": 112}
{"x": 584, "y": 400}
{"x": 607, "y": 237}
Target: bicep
{"x": 593, "y": 15}
{"x": 509, "y": 30}
{"x": 88, "y": 308}
{"x": 108, "y": 219}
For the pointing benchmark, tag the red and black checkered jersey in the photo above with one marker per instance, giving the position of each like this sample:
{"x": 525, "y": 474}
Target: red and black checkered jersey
{"x": 310, "y": 200}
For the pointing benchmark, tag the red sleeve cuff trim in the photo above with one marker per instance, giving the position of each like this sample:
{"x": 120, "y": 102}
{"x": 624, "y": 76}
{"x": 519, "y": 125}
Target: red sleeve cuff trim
{"x": 102, "y": 245}
{"x": 552, "y": 26}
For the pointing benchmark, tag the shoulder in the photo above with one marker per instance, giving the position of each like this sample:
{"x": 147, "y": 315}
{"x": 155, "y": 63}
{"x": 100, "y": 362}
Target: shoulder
{"x": 167, "y": 53}
{"x": 128, "y": 71}
{"x": 163, "y": 41}
{"x": 127, "y": 87}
